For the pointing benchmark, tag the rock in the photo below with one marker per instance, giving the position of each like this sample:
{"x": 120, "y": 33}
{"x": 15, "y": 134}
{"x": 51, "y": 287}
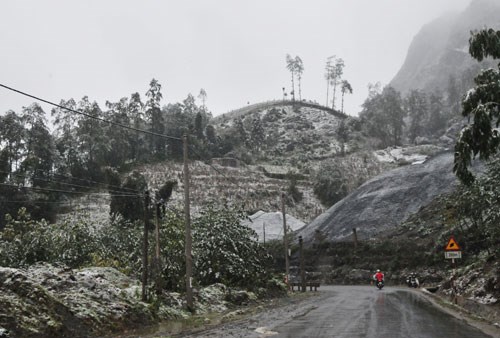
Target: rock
{"x": 49, "y": 301}
{"x": 384, "y": 202}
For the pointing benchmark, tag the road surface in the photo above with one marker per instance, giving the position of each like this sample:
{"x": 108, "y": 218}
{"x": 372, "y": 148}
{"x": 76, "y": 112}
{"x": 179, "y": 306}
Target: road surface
{"x": 350, "y": 312}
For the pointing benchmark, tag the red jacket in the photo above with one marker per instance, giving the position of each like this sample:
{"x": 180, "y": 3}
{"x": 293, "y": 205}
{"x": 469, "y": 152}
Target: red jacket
{"x": 379, "y": 276}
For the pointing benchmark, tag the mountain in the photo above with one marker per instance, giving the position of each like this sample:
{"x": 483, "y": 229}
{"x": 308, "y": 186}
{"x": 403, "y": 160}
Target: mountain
{"x": 440, "y": 50}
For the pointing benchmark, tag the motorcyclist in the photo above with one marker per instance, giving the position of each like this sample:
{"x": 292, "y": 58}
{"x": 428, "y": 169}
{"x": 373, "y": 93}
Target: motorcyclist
{"x": 378, "y": 276}
{"x": 412, "y": 280}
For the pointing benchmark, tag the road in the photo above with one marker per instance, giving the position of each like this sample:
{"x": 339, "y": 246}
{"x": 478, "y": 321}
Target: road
{"x": 350, "y": 312}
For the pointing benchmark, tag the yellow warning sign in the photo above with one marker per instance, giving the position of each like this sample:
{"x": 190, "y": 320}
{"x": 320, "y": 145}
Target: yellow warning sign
{"x": 452, "y": 245}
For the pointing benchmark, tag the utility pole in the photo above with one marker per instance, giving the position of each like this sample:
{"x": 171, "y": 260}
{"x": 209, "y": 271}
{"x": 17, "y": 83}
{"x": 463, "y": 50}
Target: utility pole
{"x": 285, "y": 239}
{"x": 157, "y": 232}
{"x": 145, "y": 249}
{"x": 264, "y": 231}
{"x": 302, "y": 269}
{"x": 157, "y": 265}
{"x": 355, "y": 235}
{"x": 188, "y": 248}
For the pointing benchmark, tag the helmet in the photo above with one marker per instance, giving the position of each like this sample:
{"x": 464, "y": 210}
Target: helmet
{"x": 378, "y": 270}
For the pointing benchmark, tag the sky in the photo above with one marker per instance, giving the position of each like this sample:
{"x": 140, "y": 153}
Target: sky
{"x": 234, "y": 49}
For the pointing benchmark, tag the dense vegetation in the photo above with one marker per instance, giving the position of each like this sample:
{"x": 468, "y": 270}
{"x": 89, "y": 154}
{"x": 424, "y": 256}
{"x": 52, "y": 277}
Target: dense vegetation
{"x": 223, "y": 249}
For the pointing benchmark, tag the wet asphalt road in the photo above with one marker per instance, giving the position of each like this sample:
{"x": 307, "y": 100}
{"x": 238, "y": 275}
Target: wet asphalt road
{"x": 350, "y": 312}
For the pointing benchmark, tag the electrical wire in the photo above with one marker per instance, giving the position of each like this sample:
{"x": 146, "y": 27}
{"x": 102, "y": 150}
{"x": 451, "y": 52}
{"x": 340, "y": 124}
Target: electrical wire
{"x": 93, "y": 182}
{"x": 90, "y": 116}
{"x": 68, "y": 191}
{"x": 62, "y": 183}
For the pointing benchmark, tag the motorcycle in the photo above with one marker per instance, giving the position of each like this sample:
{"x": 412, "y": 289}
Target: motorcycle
{"x": 379, "y": 284}
{"x": 412, "y": 282}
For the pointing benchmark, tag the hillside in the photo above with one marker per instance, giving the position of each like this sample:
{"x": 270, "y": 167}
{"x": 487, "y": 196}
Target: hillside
{"x": 384, "y": 202}
{"x": 298, "y": 133}
{"x": 440, "y": 50}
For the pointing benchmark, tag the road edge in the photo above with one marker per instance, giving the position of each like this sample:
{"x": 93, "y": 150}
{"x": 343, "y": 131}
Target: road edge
{"x": 480, "y": 323}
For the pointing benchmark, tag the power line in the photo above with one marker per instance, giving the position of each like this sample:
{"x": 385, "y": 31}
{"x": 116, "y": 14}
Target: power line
{"x": 68, "y": 191}
{"x": 63, "y": 183}
{"x": 90, "y": 116}
{"x": 94, "y": 182}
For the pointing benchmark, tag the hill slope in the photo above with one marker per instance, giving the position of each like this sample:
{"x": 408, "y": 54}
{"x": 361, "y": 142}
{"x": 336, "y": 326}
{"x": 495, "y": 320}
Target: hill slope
{"x": 384, "y": 202}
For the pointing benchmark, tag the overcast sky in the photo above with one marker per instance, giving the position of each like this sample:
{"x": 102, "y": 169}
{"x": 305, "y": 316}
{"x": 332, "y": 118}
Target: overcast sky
{"x": 235, "y": 50}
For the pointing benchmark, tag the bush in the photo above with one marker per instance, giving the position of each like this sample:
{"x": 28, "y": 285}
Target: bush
{"x": 225, "y": 250}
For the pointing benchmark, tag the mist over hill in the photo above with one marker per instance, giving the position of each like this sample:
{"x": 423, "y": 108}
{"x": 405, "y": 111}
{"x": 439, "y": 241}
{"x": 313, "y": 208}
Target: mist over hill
{"x": 440, "y": 50}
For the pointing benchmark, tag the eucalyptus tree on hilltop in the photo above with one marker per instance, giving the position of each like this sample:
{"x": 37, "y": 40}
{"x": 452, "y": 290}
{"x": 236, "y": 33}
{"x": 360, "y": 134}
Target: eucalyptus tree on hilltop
{"x": 328, "y": 75}
{"x": 345, "y": 88}
{"x": 336, "y": 77}
{"x": 299, "y": 69}
{"x": 290, "y": 65}
{"x": 482, "y": 104}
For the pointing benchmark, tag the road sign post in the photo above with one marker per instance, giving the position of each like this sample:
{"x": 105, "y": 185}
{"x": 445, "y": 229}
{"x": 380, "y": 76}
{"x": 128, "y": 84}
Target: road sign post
{"x": 453, "y": 251}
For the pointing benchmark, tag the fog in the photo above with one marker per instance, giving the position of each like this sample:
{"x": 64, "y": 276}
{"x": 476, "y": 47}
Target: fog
{"x": 235, "y": 50}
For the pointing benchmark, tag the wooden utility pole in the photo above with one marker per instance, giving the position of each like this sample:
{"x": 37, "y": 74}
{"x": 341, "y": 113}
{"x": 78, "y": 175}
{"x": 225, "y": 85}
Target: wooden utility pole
{"x": 157, "y": 234}
{"x": 145, "y": 249}
{"x": 264, "y": 231}
{"x": 285, "y": 239}
{"x": 302, "y": 269}
{"x": 157, "y": 264}
{"x": 188, "y": 247}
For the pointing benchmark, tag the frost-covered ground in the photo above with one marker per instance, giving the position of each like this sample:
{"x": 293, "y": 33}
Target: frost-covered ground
{"x": 269, "y": 225}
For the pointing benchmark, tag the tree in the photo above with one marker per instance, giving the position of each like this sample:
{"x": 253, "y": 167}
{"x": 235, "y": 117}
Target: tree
{"x": 93, "y": 144}
{"x": 345, "y": 88}
{"x": 66, "y": 124}
{"x": 329, "y": 184}
{"x": 417, "y": 108}
{"x": 328, "y": 75}
{"x": 482, "y": 103}
{"x": 155, "y": 118}
{"x": 11, "y": 138}
{"x": 40, "y": 152}
{"x": 383, "y": 116}
{"x": 124, "y": 201}
{"x": 336, "y": 76}
{"x": 226, "y": 250}
{"x": 138, "y": 144}
{"x": 299, "y": 69}
{"x": 203, "y": 97}
{"x": 343, "y": 135}
{"x": 437, "y": 117}
{"x": 119, "y": 139}
{"x": 290, "y": 65}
